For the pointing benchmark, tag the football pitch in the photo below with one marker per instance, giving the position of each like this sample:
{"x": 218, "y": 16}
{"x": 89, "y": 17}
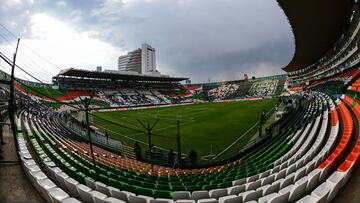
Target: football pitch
{"x": 206, "y": 127}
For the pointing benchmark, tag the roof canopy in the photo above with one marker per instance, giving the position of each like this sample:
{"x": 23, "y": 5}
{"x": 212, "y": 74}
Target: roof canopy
{"x": 114, "y": 76}
{"x": 317, "y": 25}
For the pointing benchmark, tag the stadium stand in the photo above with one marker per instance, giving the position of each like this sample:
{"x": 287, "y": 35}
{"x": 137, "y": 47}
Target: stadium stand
{"x": 263, "y": 88}
{"x": 133, "y": 97}
{"x": 224, "y": 91}
{"x": 284, "y": 168}
{"x": 310, "y": 159}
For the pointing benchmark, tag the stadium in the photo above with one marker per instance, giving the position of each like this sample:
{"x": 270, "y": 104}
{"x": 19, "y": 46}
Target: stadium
{"x": 135, "y": 135}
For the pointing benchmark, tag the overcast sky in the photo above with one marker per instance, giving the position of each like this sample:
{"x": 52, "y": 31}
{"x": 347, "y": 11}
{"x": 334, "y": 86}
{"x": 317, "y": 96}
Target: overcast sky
{"x": 200, "y": 39}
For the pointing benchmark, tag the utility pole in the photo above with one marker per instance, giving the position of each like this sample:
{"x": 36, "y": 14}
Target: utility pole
{"x": 1, "y": 129}
{"x": 178, "y": 143}
{"x": 149, "y": 129}
{"x": 12, "y": 98}
{"x": 86, "y": 103}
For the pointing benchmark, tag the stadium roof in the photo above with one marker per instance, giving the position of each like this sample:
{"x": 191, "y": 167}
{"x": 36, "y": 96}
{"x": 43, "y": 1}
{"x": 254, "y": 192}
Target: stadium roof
{"x": 115, "y": 76}
{"x": 317, "y": 25}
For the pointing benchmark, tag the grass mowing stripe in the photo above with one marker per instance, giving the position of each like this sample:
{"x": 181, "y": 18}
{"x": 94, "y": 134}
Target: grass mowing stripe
{"x": 201, "y": 125}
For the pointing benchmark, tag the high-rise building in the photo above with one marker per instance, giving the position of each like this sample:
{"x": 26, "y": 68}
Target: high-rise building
{"x": 142, "y": 61}
{"x": 130, "y": 62}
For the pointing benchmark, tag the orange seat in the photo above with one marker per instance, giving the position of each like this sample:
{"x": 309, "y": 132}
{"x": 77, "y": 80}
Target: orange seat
{"x": 345, "y": 166}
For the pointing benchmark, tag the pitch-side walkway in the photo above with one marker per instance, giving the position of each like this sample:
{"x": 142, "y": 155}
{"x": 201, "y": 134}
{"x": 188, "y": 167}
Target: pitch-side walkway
{"x": 14, "y": 185}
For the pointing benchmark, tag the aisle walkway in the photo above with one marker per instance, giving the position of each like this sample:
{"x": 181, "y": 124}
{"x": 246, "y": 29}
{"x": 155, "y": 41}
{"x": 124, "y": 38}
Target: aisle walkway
{"x": 14, "y": 185}
{"x": 350, "y": 193}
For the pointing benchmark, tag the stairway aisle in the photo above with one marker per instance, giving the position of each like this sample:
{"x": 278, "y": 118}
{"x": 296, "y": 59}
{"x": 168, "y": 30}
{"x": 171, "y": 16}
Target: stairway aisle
{"x": 14, "y": 185}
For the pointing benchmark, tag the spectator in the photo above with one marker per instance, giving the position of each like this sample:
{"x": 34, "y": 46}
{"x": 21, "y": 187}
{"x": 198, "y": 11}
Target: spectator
{"x": 263, "y": 117}
{"x": 171, "y": 158}
{"x": 137, "y": 150}
{"x": 193, "y": 156}
{"x": 106, "y": 135}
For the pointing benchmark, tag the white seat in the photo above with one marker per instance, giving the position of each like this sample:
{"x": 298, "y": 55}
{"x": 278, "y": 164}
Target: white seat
{"x": 235, "y": 190}
{"x": 28, "y": 162}
{"x": 71, "y": 187}
{"x": 271, "y": 189}
{"x": 113, "y": 200}
{"x": 287, "y": 181}
{"x": 60, "y": 177}
{"x": 265, "y": 174}
{"x": 140, "y": 199}
{"x": 33, "y": 168}
{"x": 252, "y": 195}
{"x": 266, "y": 198}
{"x": 291, "y": 169}
{"x": 90, "y": 183}
{"x": 161, "y": 200}
{"x": 268, "y": 180}
{"x": 217, "y": 193}
{"x": 70, "y": 200}
{"x": 210, "y": 200}
{"x": 334, "y": 182}
{"x": 239, "y": 182}
{"x": 280, "y": 198}
{"x": 283, "y": 166}
{"x": 35, "y": 176}
{"x": 252, "y": 178}
{"x": 322, "y": 191}
{"x": 300, "y": 173}
{"x": 196, "y": 195}
{"x": 314, "y": 177}
{"x": 263, "y": 188}
{"x": 253, "y": 185}
{"x": 308, "y": 199}
{"x": 53, "y": 171}
{"x": 97, "y": 196}
{"x": 181, "y": 195}
{"x": 101, "y": 187}
{"x": 57, "y": 195}
{"x": 122, "y": 195}
{"x": 309, "y": 167}
{"x": 185, "y": 201}
{"x": 275, "y": 170}
{"x": 45, "y": 185}
{"x": 230, "y": 199}
{"x": 84, "y": 192}
{"x": 298, "y": 190}
{"x": 299, "y": 164}
{"x": 281, "y": 174}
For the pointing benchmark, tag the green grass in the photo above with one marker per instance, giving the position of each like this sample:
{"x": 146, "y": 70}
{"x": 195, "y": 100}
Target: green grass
{"x": 43, "y": 92}
{"x": 201, "y": 125}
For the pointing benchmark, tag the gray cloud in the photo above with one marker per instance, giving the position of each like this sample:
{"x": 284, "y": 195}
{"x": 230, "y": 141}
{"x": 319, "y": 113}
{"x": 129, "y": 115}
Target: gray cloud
{"x": 218, "y": 39}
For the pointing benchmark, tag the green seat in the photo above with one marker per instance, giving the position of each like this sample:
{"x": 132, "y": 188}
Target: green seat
{"x": 210, "y": 187}
{"x": 104, "y": 179}
{"x": 225, "y": 184}
{"x": 146, "y": 191}
{"x": 216, "y": 181}
{"x": 163, "y": 194}
{"x": 80, "y": 177}
{"x": 178, "y": 188}
{"x": 130, "y": 188}
{"x": 148, "y": 185}
{"x": 192, "y": 188}
{"x": 116, "y": 184}
{"x": 123, "y": 179}
{"x": 163, "y": 187}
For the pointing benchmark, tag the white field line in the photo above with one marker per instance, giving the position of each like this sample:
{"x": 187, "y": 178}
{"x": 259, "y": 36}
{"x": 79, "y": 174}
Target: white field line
{"x": 241, "y": 136}
{"x": 133, "y": 139}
